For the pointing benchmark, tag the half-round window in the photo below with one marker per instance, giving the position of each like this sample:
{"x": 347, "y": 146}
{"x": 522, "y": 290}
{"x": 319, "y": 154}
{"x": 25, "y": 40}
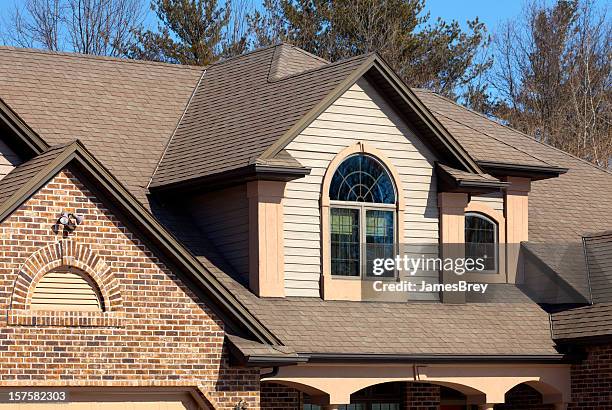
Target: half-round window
{"x": 481, "y": 240}
{"x": 66, "y": 289}
{"x": 361, "y": 178}
{"x": 363, "y": 214}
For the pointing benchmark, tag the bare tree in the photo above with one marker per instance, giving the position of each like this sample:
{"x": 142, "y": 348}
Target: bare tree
{"x": 37, "y": 23}
{"x": 553, "y": 76}
{"x": 100, "y": 27}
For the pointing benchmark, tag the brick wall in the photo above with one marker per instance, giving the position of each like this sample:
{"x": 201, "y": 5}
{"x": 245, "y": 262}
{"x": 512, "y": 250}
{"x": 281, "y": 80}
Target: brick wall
{"x": 154, "y": 332}
{"x": 523, "y": 397}
{"x": 592, "y": 380}
{"x": 278, "y": 397}
{"x": 421, "y": 396}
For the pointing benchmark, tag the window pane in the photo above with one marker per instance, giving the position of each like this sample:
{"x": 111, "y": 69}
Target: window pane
{"x": 380, "y": 235}
{"x": 481, "y": 240}
{"x": 344, "y": 242}
{"x": 361, "y": 178}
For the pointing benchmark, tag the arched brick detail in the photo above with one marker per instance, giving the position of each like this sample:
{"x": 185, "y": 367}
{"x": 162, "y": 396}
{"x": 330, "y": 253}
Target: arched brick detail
{"x": 66, "y": 253}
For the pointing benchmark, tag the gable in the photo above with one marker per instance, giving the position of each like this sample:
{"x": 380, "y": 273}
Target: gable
{"x": 360, "y": 115}
{"x": 238, "y": 117}
{"x": 38, "y": 171}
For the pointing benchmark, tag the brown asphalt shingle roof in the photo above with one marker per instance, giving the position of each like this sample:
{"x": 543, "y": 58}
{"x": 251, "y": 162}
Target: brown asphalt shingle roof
{"x": 514, "y": 325}
{"x": 584, "y": 322}
{"x": 237, "y": 112}
{"x": 21, "y": 174}
{"x": 124, "y": 111}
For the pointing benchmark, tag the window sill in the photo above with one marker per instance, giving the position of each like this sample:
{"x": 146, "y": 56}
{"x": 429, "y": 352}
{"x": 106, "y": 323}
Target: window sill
{"x": 24, "y": 317}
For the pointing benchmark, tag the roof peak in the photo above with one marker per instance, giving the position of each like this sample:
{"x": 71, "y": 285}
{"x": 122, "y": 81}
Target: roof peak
{"x": 75, "y": 55}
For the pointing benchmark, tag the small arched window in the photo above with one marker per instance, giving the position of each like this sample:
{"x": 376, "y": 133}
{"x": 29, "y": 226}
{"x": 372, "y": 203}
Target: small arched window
{"x": 66, "y": 289}
{"x": 481, "y": 240}
{"x": 362, "y": 215}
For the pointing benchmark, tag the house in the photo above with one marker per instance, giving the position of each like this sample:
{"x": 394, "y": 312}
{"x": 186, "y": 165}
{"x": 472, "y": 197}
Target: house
{"x": 200, "y": 237}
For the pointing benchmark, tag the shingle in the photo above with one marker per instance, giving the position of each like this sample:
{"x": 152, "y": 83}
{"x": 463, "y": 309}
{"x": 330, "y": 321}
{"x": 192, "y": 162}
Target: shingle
{"x": 21, "y": 174}
{"x": 123, "y": 111}
{"x": 237, "y": 113}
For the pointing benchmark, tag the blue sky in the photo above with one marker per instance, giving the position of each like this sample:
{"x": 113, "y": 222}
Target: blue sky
{"x": 489, "y": 11}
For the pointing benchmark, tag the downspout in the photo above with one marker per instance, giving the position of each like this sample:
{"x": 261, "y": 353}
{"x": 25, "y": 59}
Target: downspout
{"x": 273, "y": 373}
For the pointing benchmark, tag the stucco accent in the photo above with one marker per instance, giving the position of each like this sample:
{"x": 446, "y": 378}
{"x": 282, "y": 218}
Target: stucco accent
{"x": 516, "y": 204}
{"x": 266, "y": 243}
{"x": 482, "y": 384}
{"x": 452, "y": 232}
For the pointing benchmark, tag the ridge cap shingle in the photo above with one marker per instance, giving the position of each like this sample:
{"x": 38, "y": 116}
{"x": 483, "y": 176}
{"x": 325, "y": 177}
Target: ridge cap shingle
{"x": 82, "y": 56}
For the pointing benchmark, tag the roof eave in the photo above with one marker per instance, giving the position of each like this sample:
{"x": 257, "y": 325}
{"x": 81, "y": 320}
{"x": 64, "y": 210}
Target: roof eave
{"x": 534, "y": 172}
{"x": 373, "y": 358}
{"x": 27, "y": 139}
{"x": 251, "y": 172}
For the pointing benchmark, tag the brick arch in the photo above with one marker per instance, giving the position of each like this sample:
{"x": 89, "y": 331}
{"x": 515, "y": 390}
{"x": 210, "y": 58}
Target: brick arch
{"x": 66, "y": 253}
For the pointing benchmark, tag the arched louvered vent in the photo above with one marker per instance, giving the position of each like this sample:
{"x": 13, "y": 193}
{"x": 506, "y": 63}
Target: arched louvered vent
{"x": 66, "y": 289}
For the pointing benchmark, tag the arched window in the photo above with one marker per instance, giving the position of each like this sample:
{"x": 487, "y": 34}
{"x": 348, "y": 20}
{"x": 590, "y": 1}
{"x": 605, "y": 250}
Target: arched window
{"x": 481, "y": 240}
{"x": 362, "y": 215}
{"x": 66, "y": 288}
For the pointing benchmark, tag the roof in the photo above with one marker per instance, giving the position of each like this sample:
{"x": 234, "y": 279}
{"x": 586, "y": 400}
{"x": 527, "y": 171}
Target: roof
{"x": 237, "y": 113}
{"x": 594, "y": 321}
{"x": 562, "y": 209}
{"x": 515, "y": 325}
{"x": 19, "y": 176}
{"x": 124, "y": 111}
{"x": 242, "y": 112}
{"x": 598, "y": 251}
{"x": 463, "y": 180}
{"x": 129, "y": 113}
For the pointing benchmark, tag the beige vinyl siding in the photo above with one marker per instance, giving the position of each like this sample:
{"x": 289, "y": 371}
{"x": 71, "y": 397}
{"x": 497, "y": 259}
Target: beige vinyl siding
{"x": 224, "y": 217}
{"x": 359, "y": 115}
{"x": 493, "y": 200}
{"x": 64, "y": 290}
{"x": 8, "y": 159}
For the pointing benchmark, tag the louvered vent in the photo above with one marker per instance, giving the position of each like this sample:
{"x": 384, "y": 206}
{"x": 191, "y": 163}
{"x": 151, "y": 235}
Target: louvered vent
{"x": 63, "y": 290}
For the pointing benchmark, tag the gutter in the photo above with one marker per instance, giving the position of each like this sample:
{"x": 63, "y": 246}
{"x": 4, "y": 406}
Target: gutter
{"x": 372, "y": 358}
{"x": 236, "y": 176}
{"x": 535, "y": 171}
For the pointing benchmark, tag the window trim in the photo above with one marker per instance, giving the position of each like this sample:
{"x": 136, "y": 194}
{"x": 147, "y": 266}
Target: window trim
{"x": 498, "y": 217}
{"x": 339, "y": 287}
{"x": 496, "y": 241}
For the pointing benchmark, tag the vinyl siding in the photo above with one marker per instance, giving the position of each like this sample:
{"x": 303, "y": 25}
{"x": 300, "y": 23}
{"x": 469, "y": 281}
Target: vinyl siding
{"x": 359, "y": 115}
{"x": 8, "y": 159}
{"x": 224, "y": 216}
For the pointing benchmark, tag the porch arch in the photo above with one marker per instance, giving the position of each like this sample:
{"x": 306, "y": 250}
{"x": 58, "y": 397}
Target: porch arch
{"x": 481, "y": 383}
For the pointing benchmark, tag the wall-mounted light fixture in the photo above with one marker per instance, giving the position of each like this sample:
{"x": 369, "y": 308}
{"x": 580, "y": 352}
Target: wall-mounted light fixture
{"x": 69, "y": 221}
